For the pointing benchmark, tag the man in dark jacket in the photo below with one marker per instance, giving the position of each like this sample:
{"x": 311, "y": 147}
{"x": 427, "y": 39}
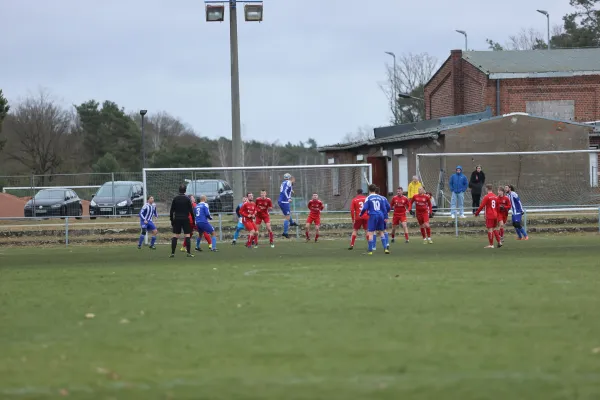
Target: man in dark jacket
{"x": 179, "y": 214}
{"x": 476, "y": 184}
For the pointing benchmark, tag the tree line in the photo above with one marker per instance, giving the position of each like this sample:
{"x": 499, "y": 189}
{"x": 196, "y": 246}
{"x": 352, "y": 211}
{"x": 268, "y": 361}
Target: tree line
{"x": 39, "y": 136}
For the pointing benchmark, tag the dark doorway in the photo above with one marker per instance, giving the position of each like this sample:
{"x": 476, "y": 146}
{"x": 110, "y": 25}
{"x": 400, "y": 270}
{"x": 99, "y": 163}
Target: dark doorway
{"x": 379, "y": 173}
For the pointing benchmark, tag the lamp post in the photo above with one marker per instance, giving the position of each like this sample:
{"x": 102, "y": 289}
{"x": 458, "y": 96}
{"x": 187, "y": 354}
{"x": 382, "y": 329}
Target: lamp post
{"x": 408, "y": 96}
{"x": 215, "y": 12}
{"x": 143, "y": 113}
{"x": 547, "y": 14}
{"x": 394, "y": 88}
{"x": 465, "y": 35}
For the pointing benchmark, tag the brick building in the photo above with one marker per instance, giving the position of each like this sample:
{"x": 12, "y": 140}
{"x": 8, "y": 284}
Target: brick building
{"x": 561, "y": 84}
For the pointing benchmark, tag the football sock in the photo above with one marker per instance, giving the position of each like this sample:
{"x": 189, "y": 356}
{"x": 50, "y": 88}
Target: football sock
{"x": 491, "y": 238}
{"x": 523, "y": 232}
{"x": 236, "y": 234}
{"x": 428, "y": 231}
{"x": 387, "y": 237}
{"x": 374, "y": 242}
{"x": 307, "y": 235}
{"x": 370, "y": 242}
{"x": 173, "y": 245}
{"x": 256, "y": 239}
{"x": 198, "y": 239}
{"x": 208, "y": 238}
{"x": 393, "y": 235}
{"x": 352, "y": 240}
{"x": 384, "y": 242}
{"x": 497, "y": 235}
{"x": 423, "y": 233}
{"x": 518, "y": 230}
{"x": 501, "y": 232}
{"x": 316, "y": 237}
{"x": 153, "y": 241}
{"x": 249, "y": 242}
{"x": 271, "y": 237}
{"x": 188, "y": 245}
{"x": 406, "y": 236}
{"x": 141, "y": 240}
{"x": 286, "y": 226}
{"x": 214, "y": 242}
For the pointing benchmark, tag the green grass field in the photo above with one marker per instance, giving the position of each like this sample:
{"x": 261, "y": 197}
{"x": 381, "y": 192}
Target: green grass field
{"x": 304, "y": 321}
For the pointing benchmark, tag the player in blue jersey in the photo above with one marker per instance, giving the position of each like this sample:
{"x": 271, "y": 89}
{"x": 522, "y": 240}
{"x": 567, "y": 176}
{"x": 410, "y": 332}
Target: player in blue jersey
{"x": 240, "y": 225}
{"x": 285, "y": 196}
{"x": 376, "y": 206}
{"x": 202, "y": 216}
{"x": 517, "y": 212}
{"x": 147, "y": 215}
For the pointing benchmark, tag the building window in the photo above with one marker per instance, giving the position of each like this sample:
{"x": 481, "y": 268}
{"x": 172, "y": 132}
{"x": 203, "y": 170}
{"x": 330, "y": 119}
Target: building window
{"x": 335, "y": 181}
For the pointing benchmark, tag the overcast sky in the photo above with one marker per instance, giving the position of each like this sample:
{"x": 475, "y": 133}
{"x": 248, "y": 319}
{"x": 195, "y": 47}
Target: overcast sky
{"x": 311, "y": 69}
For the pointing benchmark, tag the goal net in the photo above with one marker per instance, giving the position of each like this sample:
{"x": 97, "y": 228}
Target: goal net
{"x": 336, "y": 185}
{"x": 542, "y": 178}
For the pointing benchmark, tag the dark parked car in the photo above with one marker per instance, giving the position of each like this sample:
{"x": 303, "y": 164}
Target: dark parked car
{"x": 59, "y": 202}
{"x": 117, "y": 198}
{"x": 219, "y": 195}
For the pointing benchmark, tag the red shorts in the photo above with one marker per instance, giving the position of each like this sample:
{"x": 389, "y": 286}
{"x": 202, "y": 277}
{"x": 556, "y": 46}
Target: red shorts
{"x": 360, "y": 224}
{"x": 398, "y": 219}
{"x": 250, "y": 225}
{"x": 503, "y": 218}
{"x": 422, "y": 218}
{"x": 315, "y": 219}
{"x": 491, "y": 223}
{"x": 263, "y": 218}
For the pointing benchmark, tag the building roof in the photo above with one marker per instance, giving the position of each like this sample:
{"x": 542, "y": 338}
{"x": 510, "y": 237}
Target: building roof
{"x": 431, "y": 132}
{"x": 535, "y": 63}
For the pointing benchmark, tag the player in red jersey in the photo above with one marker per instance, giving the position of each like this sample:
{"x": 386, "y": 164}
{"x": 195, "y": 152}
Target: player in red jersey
{"x": 490, "y": 203}
{"x": 315, "y": 206}
{"x": 423, "y": 209}
{"x": 248, "y": 213}
{"x": 503, "y": 207}
{"x": 264, "y": 206}
{"x": 358, "y": 222}
{"x": 400, "y": 206}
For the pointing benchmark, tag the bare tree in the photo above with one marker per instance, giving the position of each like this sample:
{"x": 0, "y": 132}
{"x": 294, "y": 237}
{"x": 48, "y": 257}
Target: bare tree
{"x": 362, "y": 134}
{"x": 527, "y": 39}
{"x": 40, "y": 130}
{"x": 411, "y": 74}
{"x": 223, "y": 146}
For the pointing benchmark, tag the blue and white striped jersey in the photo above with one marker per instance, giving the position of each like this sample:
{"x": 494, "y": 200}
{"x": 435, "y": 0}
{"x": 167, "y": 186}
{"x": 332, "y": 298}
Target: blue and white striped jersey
{"x": 285, "y": 192}
{"x": 515, "y": 206}
{"x": 148, "y": 212}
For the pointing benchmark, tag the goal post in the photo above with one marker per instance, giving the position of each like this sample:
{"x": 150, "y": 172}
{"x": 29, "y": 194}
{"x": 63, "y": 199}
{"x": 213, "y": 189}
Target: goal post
{"x": 336, "y": 184}
{"x": 543, "y": 179}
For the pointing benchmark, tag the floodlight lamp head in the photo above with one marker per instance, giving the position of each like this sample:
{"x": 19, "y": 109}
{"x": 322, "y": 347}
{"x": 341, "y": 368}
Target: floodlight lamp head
{"x": 143, "y": 112}
{"x": 253, "y": 12}
{"x": 461, "y": 32}
{"x": 543, "y": 12}
{"x": 215, "y": 12}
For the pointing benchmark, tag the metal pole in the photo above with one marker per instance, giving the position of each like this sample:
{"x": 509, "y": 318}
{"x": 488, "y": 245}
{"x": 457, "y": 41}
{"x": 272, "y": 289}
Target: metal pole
{"x": 598, "y": 219}
{"x": 66, "y": 231}
{"x": 220, "y": 228}
{"x": 143, "y": 145}
{"x": 456, "y": 225}
{"x": 236, "y": 130}
{"x": 112, "y": 179}
{"x": 525, "y": 220}
{"x": 33, "y": 195}
{"x": 548, "y": 25}
{"x": 466, "y": 43}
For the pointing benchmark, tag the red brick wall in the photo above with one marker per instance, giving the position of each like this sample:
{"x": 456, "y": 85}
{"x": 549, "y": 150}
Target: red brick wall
{"x": 460, "y": 88}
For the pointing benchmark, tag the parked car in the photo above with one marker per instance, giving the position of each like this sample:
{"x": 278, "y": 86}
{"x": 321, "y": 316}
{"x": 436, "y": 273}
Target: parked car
{"x": 59, "y": 202}
{"x": 219, "y": 195}
{"x": 124, "y": 198}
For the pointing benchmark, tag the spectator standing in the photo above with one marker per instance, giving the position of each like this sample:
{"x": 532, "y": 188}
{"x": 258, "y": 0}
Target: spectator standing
{"x": 476, "y": 185}
{"x": 413, "y": 189}
{"x": 458, "y": 186}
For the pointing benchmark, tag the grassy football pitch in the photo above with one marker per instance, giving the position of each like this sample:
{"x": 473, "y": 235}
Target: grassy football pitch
{"x": 304, "y": 321}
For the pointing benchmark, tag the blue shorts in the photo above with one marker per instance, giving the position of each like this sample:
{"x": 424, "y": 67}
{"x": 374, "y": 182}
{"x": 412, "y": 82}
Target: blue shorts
{"x": 204, "y": 227}
{"x": 149, "y": 226}
{"x": 376, "y": 223}
{"x": 240, "y": 226}
{"x": 516, "y": 218}
{"x": 285, "y": 207}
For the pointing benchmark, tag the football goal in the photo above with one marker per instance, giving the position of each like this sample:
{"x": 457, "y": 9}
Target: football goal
{"x": 543, "y": 179}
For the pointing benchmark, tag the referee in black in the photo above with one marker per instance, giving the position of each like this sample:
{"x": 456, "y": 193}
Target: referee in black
{"x": 181, "y": 210}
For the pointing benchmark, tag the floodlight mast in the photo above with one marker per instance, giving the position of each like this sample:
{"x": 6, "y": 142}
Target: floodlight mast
{"x": 253, "y": 12}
